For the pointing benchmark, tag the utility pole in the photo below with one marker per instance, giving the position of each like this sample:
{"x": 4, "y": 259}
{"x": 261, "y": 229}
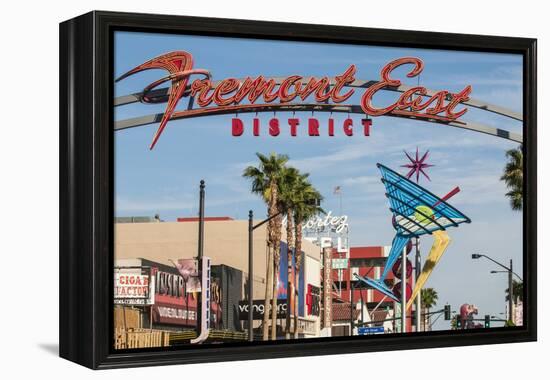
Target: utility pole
{"x": 416, "y": 275}
{"x": 510, "y": 292}
{"x": 351, "y": 308}
{"x": 200, "y": 254}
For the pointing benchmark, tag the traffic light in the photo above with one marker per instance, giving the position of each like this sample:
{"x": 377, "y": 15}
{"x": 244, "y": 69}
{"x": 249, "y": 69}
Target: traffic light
{"x": 487, "y": 321}
{"x": 458, "y": 322}
{"x": 447, "y": 312}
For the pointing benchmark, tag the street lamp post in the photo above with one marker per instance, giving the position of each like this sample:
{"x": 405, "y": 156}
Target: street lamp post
{"x": 250, "y": 277}
{"x": 200, "y": 255}
{"x": 511, "y": 273}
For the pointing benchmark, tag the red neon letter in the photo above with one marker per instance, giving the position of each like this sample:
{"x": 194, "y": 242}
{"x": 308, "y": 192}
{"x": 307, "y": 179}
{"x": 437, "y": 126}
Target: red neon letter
{"x": 293, "y": 124}
{"x": 462, "y": 96}
{"x": 274, "y": 127}
{"x": 256, "y": 127}
{"x": 341, "y": 81}
{"x": 366, "y": 126}
{"x": 348, "y": 127}
{"x": 237, "y": 127}
{"x": 386, "y": 81}
{"x": 284, "y": 96}
{"x": 313, "y": 127}
{"x": 227, "y": 86}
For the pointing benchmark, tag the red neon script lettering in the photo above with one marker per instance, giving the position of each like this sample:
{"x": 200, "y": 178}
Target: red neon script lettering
{"x": 408, "y": 104}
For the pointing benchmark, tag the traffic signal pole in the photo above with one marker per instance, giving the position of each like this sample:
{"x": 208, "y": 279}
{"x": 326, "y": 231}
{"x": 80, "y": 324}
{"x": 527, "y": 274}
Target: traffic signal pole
{"x": 361, "y": 324}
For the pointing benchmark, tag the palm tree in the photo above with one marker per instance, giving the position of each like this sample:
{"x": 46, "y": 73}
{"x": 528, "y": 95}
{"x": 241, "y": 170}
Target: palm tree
{"x": 288, "y": 198}
{"x": 265, "y": 180}
{"x": 518, "y": 291}
{"x": 428, "y": 299}
{"x": 304, "y": 210}
{"x": 513, "y": 177}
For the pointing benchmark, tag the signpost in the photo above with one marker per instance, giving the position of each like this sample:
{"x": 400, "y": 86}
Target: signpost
{"x": 370, "y": 330}
{"x": 327, "y": 292}
{"x": 339, "y": 263}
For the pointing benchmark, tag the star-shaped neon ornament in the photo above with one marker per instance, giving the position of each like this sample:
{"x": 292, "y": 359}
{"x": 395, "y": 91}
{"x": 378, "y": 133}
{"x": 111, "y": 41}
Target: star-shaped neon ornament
{"x": 417, "y": 165}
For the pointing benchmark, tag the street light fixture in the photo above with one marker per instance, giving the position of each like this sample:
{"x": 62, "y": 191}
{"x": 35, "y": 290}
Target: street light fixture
{"x": 510, "y": 272}
{"x": 507, "y": 269}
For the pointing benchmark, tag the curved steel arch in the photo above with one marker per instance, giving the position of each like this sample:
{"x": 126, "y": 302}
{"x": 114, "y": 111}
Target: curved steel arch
{"x": 317, "y": 107}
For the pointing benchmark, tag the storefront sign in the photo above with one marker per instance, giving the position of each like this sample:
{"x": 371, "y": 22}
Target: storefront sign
{"x": 175, "y": 285}
{"x": 258, "y": 309}
{"x": 170, "y": 284}
{"x": 338, "y": 223}
{"x": 232, "y": 94}
{"x": 339, "y": 263}
{"x": 318, "y": 223}
{"x": 327, "y": 288}
{"x": 174, "y": 315}
{"x": 133, "y": 289}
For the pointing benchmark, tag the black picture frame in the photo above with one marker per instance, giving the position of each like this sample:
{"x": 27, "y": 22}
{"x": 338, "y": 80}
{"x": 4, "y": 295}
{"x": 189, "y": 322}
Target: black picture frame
{"x": 86, "y": 187}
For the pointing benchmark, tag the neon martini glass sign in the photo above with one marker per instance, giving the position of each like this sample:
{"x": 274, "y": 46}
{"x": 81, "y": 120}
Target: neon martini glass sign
{"x": 416, "y": 212}
{"x": 260, "y": 92}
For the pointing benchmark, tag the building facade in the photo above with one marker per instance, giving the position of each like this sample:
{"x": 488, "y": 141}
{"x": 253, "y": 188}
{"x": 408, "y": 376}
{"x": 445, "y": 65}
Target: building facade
{"x": 150, "y": 243}
{"x": 372, "y": 305}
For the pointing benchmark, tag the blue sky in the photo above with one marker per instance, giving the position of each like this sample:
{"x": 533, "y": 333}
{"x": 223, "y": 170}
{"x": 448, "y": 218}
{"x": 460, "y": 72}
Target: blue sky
{"x": 165, "y": 180}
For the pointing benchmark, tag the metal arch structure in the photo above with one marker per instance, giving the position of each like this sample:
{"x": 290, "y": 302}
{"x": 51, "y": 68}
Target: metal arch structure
{"x": 161, "y": 96}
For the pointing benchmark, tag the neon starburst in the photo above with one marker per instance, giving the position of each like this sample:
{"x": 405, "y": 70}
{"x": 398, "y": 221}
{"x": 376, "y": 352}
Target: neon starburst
{"x": 417, "y": 165}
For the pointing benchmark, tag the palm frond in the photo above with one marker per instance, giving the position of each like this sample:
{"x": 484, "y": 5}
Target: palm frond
{"x": 513, "y": 177}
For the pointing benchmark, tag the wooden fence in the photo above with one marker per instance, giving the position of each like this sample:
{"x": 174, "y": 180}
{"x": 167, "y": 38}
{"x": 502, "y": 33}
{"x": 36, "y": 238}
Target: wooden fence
{"x": 141, "y": 338}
